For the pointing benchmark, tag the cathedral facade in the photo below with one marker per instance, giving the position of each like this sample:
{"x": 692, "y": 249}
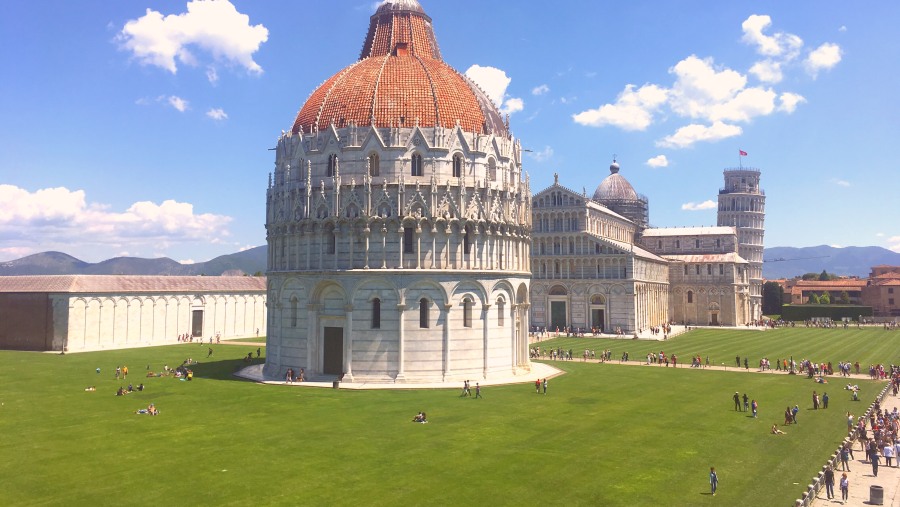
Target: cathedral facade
{"x": 599, "y": 267}
{"x": 398, "y": 222}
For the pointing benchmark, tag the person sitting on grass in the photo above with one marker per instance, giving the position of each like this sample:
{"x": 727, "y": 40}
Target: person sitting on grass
{"x": 121, "y": 391}
{"x": 776, "y": 431}
{"x": 90, "y": 388}
{"x": 140, "y": 387}
{"x": 420, "y": 418}
{"x": 150, "y": 410}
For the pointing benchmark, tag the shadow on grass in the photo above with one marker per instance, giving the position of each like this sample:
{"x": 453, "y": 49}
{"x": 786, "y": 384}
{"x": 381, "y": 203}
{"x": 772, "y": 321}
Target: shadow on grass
{"x": 223, "y": 369}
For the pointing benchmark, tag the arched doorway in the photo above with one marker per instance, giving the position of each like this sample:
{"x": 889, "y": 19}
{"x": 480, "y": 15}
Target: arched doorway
{"x": 559, "y": 313}
{"x": 598, "y": 312}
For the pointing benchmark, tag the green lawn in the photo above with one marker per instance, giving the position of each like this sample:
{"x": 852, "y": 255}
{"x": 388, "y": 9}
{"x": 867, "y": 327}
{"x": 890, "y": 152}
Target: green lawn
{"x": 604, "y": 434}
{"x": 870, "y": 345}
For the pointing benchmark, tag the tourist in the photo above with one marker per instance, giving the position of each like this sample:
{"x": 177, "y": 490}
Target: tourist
{"x": 829, "y": 483}
{"x": 746, "y": 402}
{"x": 788, "y": 416}
{"x": 874, "y": 458}
{"x": 545, "y": 386}
{"x": 257, "y": 352}
{"x": 888, "y": 452}
{"x": 845, "y": 487}
{"x": 845, "y": 458}
{"x": 477, "y": 390}
{"x": 815, "y": 400}
{"x": 537, "y": 386}
{"x": 420, "y": 418}
{"x": 776, "y": 431}
{"x": 794, "y": 412}
{"x": 755, "y": 407}
{"x": 737, "y": 401}
{"x": 824, "y": 400}
{"x": 210, "y": 353}
{"x": 713, "y": 480}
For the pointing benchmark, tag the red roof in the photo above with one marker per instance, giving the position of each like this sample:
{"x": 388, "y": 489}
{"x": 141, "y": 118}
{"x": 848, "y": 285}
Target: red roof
{"x": 399, "y": 80}
{"x": 131, "y": 283}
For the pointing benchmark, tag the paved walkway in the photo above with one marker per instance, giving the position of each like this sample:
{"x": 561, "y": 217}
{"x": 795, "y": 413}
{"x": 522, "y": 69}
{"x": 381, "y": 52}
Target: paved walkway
{"x": 861, "y": 477}
{"x": 538, "y": 371}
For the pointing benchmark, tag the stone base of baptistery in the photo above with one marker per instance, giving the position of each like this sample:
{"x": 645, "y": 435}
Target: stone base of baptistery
{"x": 398, "y": 326}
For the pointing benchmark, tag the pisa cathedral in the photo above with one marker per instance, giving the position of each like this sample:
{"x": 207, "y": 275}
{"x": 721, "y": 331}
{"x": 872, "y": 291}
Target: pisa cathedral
{"x": 405, "y": 244}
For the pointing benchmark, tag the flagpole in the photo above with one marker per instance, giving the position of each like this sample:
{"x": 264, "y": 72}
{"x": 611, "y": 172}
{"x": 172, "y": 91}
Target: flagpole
{"x": 740, "y": 159}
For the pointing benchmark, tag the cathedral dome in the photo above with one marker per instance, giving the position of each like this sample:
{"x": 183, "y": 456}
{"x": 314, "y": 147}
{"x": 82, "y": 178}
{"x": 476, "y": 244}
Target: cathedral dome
{"x": 400, "y": 80}
{"x": 615, "y": 187}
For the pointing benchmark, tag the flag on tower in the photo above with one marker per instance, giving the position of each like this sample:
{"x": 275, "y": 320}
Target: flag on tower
{"x": 743, "y": 153}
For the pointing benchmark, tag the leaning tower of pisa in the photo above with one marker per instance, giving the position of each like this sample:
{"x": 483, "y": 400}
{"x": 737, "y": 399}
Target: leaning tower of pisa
{"x": 742, "y": 204}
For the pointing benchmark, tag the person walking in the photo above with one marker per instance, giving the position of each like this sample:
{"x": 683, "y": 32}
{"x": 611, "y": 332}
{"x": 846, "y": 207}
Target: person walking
{"x": 746, "y": 402}
{"x": 829, "y": 483}
{"x": 815, "y": 400}
{"x": 888, "y": 453}
{"x": 477, "y": 390}
{"x": 845, "y": 487}
{"x": 874, "y": 458}
{"x": 713, "y": 480}
{"x": 737, "y": 401}
{"x": 845, "y": 458}
{"x": 755, "y": 407}
{"x": 545, "y": 386}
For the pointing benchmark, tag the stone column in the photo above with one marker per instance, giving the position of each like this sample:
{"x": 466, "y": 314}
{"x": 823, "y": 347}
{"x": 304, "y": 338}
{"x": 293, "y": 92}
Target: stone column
{"x": 366, "y": 233}
{"x": 348, "y": 344}
{"x": 312, "y": 339}
{"x": 446, "y": 345}
{"x": 485, "y": 322}
{"x": 401, "y": 376}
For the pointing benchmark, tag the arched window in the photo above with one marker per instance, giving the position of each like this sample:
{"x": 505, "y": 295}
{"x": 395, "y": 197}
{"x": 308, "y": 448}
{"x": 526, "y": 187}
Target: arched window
{"x": 416, "y": 165}
{"x": 294, "y": 311}
{"x": 500, "y": 313}
{"x": 690, "y": 295}
{"x": 423, "y": 313}
{"x": 467, "y": 241}
{"x": 376, "y": 313}
{"x": 374, "y": 162}
{"x": 332, "y": 165}
{"x": 457, "y": 166}
{"x": 408, "y": 239}
{"x": 467, "y": 312}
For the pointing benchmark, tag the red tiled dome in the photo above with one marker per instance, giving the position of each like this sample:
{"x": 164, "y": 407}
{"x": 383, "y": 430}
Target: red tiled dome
{"x": 400, "y": 79}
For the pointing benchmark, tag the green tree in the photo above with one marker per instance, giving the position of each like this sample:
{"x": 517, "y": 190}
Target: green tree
{"x": 824, "y": 276}
{"x": 773, "y": 298}
{"x": 845, "y": 298}
{"x": 810, "y": 276}
{"x": 813, "y": 299}
{"x": 825, "y": 298}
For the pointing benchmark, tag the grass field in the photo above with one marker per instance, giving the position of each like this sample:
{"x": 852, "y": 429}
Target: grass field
{"x": 604, "y": 434}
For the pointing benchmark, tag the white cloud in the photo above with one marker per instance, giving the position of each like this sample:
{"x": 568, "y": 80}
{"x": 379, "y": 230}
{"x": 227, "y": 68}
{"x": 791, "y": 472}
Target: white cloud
{"x": 542, "y": 155}
{"x": 56, "y": 218}
{"x": 789, "y": 101}
{"x": 780, "y": 44}
{"x": 493, "y": 82}
{"x": 690, "y": 206}
{"x": 178, "y": 103}
{"x": 699, "y": 87}
{"x": 840, "y": 182}
{"x": 894, "y": 243}
{"x": 823, "y": 57}
{"x": 767, "y": 71}
{"x": 843, "y": 28}
{"x": 15, "y": 252}
{"x": 633, "y": 109}
{"x": 540, "y": 90}
{"x": 835, "y": 245}
{"x": 879, "y": 234}
{"x": 512, "y": 105}
{"x": 212, "y": 74}
{"x": 187, "y": 261}
{"x": 689, "y": 134}
{"x": 217, "y": 114}
{"x": 216, "y": 28}
{"x": 658, "y": 161}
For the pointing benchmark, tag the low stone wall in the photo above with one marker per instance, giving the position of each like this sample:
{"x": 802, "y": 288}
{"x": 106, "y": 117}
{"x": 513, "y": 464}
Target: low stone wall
{"x": 818, "y": 482}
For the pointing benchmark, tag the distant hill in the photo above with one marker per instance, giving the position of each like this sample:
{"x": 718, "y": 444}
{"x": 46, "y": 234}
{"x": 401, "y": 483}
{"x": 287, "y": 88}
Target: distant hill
{"x": 787, "y": 262}
{"x": 56, "y": 263}
{"x": 781, "y": 262}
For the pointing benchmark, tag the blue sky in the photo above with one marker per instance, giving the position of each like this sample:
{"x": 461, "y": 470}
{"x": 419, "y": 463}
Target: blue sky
{"x": 143, "y": 128}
